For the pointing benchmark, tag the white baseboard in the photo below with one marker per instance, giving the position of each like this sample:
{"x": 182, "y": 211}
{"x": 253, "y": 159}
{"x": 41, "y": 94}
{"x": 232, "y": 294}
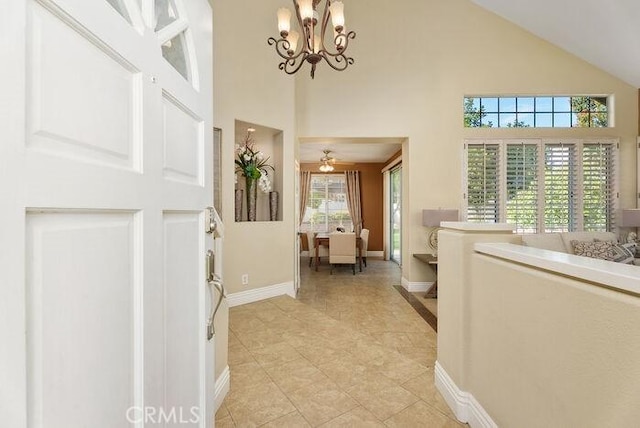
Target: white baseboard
{"x": 464, "y": 405}
{"x": 257, "y": 294}
{"x": 222, "y": 387}
{"x": 415, "y": 287}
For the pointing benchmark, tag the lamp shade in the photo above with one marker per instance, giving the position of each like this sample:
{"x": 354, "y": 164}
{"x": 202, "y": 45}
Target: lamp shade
{"x": 306, "y": 8}
{"x": 336, "y": 9}
{"x": 292, "y": 38}
{"x": 284, "y": 20}
{"x": 432, "y": 218}
{"x": 630, "y": 217}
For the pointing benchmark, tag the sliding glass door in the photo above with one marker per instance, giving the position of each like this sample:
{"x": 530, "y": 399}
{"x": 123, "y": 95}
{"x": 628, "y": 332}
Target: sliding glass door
{"x": 395, "y": 216}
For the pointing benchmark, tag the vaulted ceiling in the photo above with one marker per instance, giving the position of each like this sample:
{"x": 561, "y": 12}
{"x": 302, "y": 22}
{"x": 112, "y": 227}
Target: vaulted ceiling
{"x": 603, "y": 33}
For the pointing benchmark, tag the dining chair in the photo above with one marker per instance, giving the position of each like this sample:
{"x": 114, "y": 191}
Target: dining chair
{"x": 364, "y": 235}
{"x": 342, "y": 249}
{"x": 311, "y": 243}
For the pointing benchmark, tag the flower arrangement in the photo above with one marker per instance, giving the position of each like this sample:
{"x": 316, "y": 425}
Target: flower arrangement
{"x": 252, "y": 164}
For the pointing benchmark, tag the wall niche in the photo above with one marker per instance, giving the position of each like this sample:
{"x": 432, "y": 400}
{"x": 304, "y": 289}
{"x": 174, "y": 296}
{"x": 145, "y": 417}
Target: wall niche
{"x": 258, "y": 147}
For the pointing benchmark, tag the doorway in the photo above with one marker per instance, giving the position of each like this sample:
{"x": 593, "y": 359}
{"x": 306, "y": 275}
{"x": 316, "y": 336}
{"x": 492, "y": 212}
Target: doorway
{"x": 395, "y": 214}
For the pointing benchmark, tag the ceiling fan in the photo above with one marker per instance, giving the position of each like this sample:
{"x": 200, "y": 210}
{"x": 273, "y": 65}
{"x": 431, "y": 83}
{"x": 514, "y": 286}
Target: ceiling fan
{"x": 327, "y": 161}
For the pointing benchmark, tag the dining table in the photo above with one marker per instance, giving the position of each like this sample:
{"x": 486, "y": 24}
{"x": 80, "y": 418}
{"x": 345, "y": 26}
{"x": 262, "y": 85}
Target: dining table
{"x": 323, "y": 239}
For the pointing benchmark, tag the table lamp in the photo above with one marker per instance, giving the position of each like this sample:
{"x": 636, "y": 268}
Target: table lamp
{"x": 433, "y": 218}
{"x": 630, "y": 217}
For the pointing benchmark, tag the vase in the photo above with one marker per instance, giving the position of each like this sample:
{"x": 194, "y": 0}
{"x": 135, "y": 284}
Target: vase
{"x": 238, "y": 205}
{"x": 273, "y": 206}
{"x": 252, "y": 196}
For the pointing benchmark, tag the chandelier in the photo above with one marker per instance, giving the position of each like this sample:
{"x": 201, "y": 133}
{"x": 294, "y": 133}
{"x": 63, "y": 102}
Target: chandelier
{"x": 326, "y": 162}
{"x": 312, "y": 48}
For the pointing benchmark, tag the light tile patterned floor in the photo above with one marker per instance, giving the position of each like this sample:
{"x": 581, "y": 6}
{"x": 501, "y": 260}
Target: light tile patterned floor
{"x": 349, "y": 352}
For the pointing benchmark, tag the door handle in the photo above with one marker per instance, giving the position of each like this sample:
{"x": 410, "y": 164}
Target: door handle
{"x": 213, "y": 282}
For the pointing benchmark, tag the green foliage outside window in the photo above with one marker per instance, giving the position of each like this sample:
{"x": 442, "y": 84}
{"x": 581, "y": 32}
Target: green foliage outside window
{"x": 540, "y": 112}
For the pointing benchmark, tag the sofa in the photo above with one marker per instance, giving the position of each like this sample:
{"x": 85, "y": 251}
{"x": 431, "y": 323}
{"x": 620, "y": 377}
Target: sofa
{"x": 569, "y": 242}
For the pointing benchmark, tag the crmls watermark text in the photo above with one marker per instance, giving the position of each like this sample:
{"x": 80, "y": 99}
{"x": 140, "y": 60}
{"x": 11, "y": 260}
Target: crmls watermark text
{"x": 160, "y": 415}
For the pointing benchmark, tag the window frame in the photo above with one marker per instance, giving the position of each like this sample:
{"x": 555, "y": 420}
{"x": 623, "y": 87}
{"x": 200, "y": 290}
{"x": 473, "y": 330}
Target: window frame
{"x": 555, "y": 113}
{"x": 577, "y": 176}
{"x": 310, "y": 226}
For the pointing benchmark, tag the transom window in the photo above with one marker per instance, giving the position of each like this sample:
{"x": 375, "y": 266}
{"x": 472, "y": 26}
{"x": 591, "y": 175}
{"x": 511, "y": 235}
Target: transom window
{"x": 327, "y": 206}
{"x": 536, "y": 112}
{"x": 542, "y": 185}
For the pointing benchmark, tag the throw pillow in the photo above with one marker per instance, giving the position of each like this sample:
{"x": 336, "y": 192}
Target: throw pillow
{"x": 624, "y": 253}
{"x": 597, "y": 250}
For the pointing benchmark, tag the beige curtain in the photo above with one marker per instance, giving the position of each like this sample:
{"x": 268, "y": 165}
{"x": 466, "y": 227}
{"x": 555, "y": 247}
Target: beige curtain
{"x": 353, "y": 199}
{"x": 305, "y": 186}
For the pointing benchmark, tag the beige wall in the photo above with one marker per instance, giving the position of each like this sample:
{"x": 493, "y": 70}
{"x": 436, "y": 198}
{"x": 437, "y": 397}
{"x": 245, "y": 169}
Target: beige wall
{"x": 455, "y": 249}
{"x": 552, "y": 351}
{"x": 535, "y": 349}
{"x": 413, "y": 66}
{"x": 248, "y": 86}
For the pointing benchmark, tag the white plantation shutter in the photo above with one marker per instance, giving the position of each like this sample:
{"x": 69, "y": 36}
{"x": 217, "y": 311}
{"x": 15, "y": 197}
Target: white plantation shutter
{"x": 543, "y": 186}
{"x": 522, "y": 186}
{"x": 483, "y": 183}
{"x": 560, "y": 188}
{"x": 598, "y": 181}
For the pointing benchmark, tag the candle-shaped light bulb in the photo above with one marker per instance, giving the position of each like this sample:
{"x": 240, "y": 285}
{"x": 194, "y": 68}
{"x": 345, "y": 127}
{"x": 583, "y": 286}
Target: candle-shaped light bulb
{"x": 292, "y": 38}
{"x": 316, "y": 43}
{"x": 306, "y": 8}
{"x": 284, "y": 21}
{"x": 336, "y": 9}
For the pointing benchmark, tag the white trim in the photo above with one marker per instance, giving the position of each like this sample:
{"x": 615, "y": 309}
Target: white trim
{"x": 618, "y": 276}
{"x": 222, "y": 387}
{"x": 255, "y": 295}
{"x": 375, "y": 253}
{"x": 386, "y": 210}
{"x": 392, "y": 164}
{"x": 415, "y": 287}
{"x": 470, "y": 226}
{"x": 464, "y": 405}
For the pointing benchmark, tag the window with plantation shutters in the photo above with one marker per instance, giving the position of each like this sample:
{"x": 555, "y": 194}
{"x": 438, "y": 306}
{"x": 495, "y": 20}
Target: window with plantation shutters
{"x": 598, "y": 184}
{"x": 542, "y": 185}
{"x": 483, "y": 185}
{"x": 559, "y": 188}
{"x": 522, "y": 186}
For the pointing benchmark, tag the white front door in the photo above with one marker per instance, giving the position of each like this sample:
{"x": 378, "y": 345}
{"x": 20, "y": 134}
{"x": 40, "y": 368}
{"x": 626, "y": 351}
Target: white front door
{"x": 105, "y": 171}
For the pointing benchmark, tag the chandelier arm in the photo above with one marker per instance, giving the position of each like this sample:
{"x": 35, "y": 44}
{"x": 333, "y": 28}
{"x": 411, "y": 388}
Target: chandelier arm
{"x": 325, "y": 21}
{"x": 304, "y": 37}
{"x": 282, "y": 48}
{"x": 290, "y": 67}
{"x": 338, "y": 62}
{"x": 345, "y": 38}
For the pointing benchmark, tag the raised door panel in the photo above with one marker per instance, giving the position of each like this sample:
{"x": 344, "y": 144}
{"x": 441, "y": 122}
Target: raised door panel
{"x": 83, "y": 318}
{"x": 183, "y": 143}
{"x": 83, "y": 99}
{"x": 183, "y": 313}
